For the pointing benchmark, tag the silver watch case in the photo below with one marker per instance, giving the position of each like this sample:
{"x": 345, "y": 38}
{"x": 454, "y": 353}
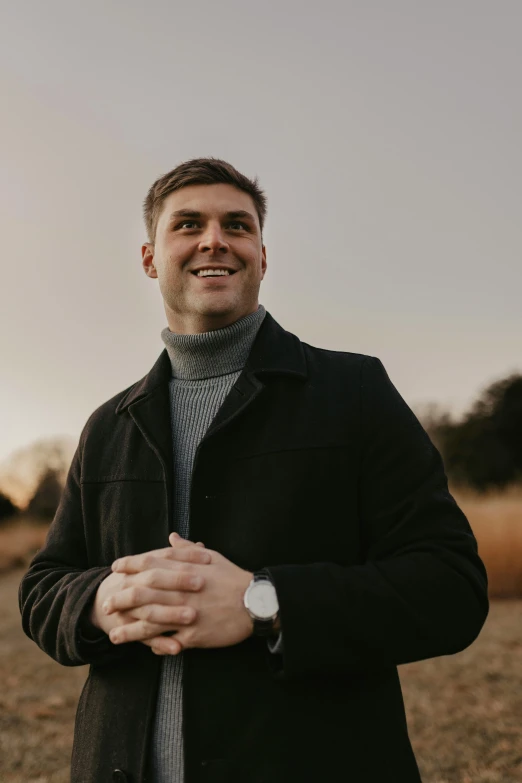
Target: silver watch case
{"x": 260, "y": 600}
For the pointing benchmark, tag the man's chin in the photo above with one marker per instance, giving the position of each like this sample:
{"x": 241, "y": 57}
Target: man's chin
{"x": 215, "y": 312}
{"x": 216, "y": 305}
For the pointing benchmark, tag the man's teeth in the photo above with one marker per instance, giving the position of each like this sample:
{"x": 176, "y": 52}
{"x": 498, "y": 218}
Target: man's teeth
{"x": 211, "y": 272}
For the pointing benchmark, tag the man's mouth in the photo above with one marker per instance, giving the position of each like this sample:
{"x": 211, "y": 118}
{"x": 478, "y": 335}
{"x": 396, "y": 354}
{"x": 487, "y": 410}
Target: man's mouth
{"x": 213, "y": 272}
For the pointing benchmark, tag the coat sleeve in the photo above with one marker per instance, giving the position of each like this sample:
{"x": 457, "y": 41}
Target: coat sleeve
{"x": 58, "y": 589}
{"x": 421, "y": 589}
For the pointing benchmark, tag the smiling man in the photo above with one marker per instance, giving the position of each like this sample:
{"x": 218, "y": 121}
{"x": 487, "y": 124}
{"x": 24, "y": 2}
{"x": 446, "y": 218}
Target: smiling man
{"x": 207, "y": 288}
{"x": 251, "y": 538}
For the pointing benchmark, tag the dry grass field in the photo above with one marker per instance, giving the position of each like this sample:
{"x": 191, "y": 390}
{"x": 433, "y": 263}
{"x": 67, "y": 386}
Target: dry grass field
{"x": 496, "y": 520}
{"x": 19, "y": 539}
{"x": 464, "y": 711}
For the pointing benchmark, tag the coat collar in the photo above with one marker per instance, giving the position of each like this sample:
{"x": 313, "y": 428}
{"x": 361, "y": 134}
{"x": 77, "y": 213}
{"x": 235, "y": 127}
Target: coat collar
{"x": 274, "y": 351}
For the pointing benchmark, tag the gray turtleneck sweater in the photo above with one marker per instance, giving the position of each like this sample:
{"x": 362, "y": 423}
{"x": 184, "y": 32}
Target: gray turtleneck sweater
{"x": 204, "y": 368}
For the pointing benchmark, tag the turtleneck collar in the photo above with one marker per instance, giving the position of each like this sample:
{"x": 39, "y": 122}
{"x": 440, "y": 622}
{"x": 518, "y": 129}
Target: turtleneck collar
{"x": 210, "y": 354}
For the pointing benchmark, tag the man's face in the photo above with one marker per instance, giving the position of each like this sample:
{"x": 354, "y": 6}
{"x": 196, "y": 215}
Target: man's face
{"x": 208, "y": 234}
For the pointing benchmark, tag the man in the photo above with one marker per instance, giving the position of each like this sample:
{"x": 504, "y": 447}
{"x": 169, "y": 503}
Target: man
{"x": 298, "y": 490}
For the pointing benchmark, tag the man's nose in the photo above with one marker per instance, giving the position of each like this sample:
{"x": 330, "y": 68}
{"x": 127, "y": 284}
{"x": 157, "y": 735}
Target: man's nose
{"x": 213, "y": 239}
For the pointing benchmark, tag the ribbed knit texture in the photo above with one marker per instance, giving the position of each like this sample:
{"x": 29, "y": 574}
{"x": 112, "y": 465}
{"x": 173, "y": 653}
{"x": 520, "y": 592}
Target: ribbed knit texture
{"x": 204, "y": 368}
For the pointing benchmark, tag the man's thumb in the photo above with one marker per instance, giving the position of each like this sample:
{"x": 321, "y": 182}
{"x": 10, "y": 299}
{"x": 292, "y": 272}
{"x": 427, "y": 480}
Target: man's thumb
{"x": 174, "y": 537}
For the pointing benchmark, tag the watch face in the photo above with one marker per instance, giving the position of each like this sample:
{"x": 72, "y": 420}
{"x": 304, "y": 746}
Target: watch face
{"x": 262, "y": 600}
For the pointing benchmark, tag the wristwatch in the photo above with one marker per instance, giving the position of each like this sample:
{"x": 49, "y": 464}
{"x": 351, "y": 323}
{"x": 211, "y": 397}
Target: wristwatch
{"x": 261, "y": 603}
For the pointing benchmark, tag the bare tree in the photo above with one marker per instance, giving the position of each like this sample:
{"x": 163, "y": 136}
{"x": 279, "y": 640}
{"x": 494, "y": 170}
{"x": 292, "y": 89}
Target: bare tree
{"x": 25, "y": 468}
{"x": 7, "y": 508}
{"x": 46, "y": 497}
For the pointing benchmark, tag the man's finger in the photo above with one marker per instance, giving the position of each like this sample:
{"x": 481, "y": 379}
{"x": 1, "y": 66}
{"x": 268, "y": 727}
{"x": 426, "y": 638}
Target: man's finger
{"x": 155, "y": 558}
{"x": 167, "y": 644}
{"x": 194, "y": 554}
{"x": 175, "y": 577}
{"x": 136, "y": 632}
{"x": 182, "y": 638}
{"x": 126, "y": 618}
{"x": 175, "y": 616}
{"x": 162, "y": 646}
{"x": 140, "y": 595}
{"x": 143, "y": 629}
{"x": 177, "y": 540}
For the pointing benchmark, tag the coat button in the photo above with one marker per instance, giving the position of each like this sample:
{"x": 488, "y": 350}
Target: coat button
{"x": 118, "y": 776}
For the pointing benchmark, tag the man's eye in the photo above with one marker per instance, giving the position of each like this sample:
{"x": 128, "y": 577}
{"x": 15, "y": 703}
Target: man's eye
{"x": 194, "y": 222}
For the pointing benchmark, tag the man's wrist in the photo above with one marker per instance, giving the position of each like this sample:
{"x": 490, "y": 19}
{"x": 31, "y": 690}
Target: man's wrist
{"x": 248, "y": 578}
{"x": 88, "y": 624}
{"x": 92, "y": 617}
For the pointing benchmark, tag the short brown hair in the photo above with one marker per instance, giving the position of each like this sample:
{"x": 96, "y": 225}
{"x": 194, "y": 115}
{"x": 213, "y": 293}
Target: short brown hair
{"x": 199, "y": 171}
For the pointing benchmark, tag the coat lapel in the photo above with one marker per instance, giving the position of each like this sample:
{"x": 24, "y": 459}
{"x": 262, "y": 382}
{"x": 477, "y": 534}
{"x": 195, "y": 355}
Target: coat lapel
{"x": 274, "y": 352}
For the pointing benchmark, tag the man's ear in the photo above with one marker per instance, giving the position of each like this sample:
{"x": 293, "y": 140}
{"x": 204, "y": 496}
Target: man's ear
{"x": 147, "y": 255}
{"x": 263, "y": 262}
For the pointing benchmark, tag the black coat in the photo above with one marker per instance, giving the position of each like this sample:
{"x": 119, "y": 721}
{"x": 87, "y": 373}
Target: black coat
{"x": 316, "y": 468}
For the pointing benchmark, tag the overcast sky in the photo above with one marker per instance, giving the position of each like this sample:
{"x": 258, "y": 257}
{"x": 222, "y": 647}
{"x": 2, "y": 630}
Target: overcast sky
{"x": 387, "y": 137}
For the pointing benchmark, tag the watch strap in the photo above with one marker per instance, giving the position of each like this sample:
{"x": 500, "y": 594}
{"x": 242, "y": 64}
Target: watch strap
{"x": 263, "y": 573}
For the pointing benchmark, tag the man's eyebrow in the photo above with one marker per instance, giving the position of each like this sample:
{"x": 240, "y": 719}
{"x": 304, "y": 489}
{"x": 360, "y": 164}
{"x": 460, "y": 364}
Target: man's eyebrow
{"x": 193, "y": 213}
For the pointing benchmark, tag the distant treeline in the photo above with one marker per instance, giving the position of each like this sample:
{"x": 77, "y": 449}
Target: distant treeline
{"x": 483, "y": 450}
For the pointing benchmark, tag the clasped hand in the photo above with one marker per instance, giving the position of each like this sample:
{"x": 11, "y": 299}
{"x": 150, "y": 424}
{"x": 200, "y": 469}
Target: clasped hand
{"x": 185, "y": 588}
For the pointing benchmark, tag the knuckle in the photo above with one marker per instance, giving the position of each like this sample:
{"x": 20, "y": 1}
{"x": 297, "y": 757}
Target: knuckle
{"x": 150, "y": 577}
{"x": 183, "y": 579}
{"x": 187, "y": 614}
{"x": 134, "y": 594}
{"x": 147, "y": 627}
{"x": 194, "y": 581}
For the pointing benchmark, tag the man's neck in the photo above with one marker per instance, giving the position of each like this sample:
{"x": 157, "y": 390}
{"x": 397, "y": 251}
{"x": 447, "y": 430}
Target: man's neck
{"x": 213, "y": 353}
{"x": 196, "y": 323}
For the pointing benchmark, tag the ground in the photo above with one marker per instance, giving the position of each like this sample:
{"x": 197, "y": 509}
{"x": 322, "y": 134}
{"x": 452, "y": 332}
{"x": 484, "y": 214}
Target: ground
{"x": 464, "y": 711}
